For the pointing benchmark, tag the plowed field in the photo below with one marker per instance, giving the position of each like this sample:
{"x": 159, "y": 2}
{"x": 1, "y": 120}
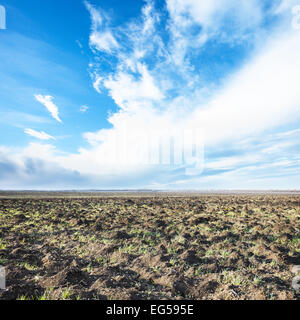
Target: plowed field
{"x": 149, "y": 246}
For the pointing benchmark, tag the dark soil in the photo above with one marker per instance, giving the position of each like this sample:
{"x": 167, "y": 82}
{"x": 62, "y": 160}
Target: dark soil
{"x": 150, "y": 247}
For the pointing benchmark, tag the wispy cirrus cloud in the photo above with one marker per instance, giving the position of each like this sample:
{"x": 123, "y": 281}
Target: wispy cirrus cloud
{"x": 101, "y": 38}
{"x": 84, "y": 109}
{"x": 216, "y": 16}
{"x": 20, "y": 119}
{"x": 50, "y": 106}
{"x": 41, "y": 135}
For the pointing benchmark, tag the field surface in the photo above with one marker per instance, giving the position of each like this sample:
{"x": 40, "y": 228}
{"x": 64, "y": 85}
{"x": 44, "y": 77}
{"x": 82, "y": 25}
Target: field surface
{"x": 149, "y": 246}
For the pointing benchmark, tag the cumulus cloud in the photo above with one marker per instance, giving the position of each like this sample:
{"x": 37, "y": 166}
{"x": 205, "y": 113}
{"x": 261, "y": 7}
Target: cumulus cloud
{"x": 38, "y": 134}
{"x": 50, "y": 106}
{"x": 129, "y": 93}
{"x": 34, "y": 167}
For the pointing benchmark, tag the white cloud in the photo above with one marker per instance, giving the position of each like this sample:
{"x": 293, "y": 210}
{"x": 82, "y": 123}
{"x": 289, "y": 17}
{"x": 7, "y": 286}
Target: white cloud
{"x": 103, "y": 41}
{"x": 286, "y": 5}
{"x": 97, "y": 84}
{"x": 101, "y": 37}
{"x": 96, "y": 15}
{"x": 95, "y": 138}
{"x": 84, "y": 108}
{"x": 34, "y": 167}
{"x": 21, "y": 119}
{"x": 212, "y": 14}
{"x": 129, "y": 93}
{"x": 38, "y": 134}
{"x": 79, "y": 44}
{"x": 193, "y": 22}
{"x": 50, "y": 106}
{"x": 262, "y": 95}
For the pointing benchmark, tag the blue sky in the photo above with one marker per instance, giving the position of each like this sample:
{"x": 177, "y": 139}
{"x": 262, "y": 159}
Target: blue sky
{"x": 89, "y": 89}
